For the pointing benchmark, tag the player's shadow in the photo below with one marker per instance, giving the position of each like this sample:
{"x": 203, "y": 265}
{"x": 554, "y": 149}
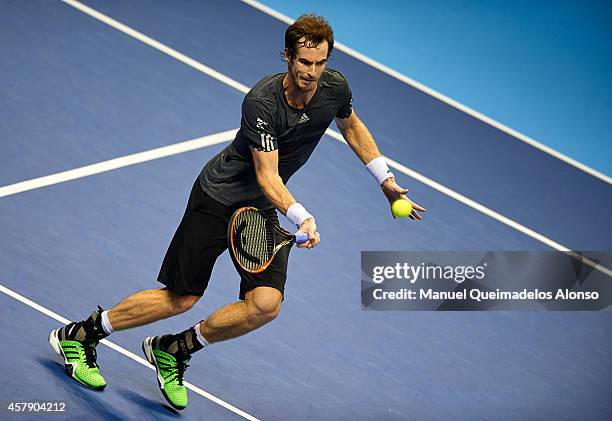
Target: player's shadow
{"x": 87, "y": 397}
{"x": 148, "y": 405}
{"x": 88, "y": 400}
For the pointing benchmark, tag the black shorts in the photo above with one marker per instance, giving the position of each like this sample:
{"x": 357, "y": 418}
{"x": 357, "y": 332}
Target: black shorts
{"x": 200, "y": 238}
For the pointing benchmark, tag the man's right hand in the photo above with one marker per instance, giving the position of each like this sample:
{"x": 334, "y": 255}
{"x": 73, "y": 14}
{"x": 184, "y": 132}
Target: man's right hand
{"x": 314, "y": 238}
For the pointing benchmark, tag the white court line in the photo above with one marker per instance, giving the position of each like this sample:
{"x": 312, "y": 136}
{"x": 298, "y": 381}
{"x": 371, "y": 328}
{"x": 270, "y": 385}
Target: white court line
{"x": 123, "y": 351}
{"x": 120, "y": 162}
{"x": 431, "y": 92}
{"x": 158, "y": 45}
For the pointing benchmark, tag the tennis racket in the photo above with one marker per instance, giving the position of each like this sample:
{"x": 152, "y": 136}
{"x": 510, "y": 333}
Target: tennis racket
{"x": 255, "y": 239}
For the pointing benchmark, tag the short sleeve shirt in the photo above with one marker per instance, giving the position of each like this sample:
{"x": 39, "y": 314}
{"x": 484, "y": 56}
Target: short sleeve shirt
{"x": 269, "y": 123}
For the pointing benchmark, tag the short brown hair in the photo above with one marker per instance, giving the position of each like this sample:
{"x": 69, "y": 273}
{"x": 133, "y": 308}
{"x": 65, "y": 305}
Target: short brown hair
{"x": 314, "y": 29}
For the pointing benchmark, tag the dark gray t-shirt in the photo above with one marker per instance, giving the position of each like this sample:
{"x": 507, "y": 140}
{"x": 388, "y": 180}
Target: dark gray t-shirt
{"x": 269, "y": 123}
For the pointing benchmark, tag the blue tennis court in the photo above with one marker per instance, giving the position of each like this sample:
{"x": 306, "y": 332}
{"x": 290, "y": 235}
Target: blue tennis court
{"x": 82, "y": 86}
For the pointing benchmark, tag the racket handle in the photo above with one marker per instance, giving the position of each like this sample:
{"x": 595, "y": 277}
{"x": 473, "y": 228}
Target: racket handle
{"x": 301, "y": 237}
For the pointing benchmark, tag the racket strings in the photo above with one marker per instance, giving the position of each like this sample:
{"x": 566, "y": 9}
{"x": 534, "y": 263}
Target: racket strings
{"x": 255, "y": 240}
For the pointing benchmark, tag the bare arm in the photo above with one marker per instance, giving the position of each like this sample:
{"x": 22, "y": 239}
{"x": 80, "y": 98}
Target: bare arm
{"x": 358, "y": 138}
{"x": 266, "y": 171}
{"x": 362, "y": 143}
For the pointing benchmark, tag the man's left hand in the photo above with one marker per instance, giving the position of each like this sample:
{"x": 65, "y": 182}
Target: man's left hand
{"x": 394, "y": 192}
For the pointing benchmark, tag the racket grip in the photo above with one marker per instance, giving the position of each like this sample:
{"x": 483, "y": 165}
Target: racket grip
{"x": 301, "y": 237}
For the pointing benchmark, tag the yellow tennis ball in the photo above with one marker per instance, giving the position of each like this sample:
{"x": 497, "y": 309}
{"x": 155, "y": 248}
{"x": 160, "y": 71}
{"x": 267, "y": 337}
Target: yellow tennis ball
{"x": 401, "y": 208}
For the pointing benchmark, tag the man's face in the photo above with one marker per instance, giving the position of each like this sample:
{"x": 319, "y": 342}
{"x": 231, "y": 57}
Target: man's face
{"x": 307, "y": 66}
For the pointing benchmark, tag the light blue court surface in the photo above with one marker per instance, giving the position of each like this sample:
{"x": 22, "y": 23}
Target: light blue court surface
{"x": 541, "y": 68}
{"x": 76, "y": 92}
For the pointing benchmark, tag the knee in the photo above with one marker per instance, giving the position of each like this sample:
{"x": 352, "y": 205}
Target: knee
{"x": 265, "y": 314}
{"x": 264, "y": 309}
{"x": 182, "y": 303}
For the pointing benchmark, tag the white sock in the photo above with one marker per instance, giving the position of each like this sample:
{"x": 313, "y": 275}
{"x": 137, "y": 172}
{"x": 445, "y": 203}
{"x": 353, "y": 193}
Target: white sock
{"x": 106, "y": 325}
{"x": 201, "y": 339}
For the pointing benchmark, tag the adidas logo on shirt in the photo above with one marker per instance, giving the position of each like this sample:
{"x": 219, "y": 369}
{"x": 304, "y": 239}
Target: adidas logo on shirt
{"x": 303, "y": 119}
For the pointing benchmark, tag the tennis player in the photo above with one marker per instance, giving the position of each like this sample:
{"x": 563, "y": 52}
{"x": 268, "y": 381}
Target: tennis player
{"x": 284, "y": 117}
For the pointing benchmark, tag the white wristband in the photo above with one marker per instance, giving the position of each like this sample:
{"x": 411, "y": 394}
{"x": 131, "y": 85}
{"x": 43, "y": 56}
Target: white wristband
{"x": 379, "y": 169}
{"x": 297, "y": 214}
